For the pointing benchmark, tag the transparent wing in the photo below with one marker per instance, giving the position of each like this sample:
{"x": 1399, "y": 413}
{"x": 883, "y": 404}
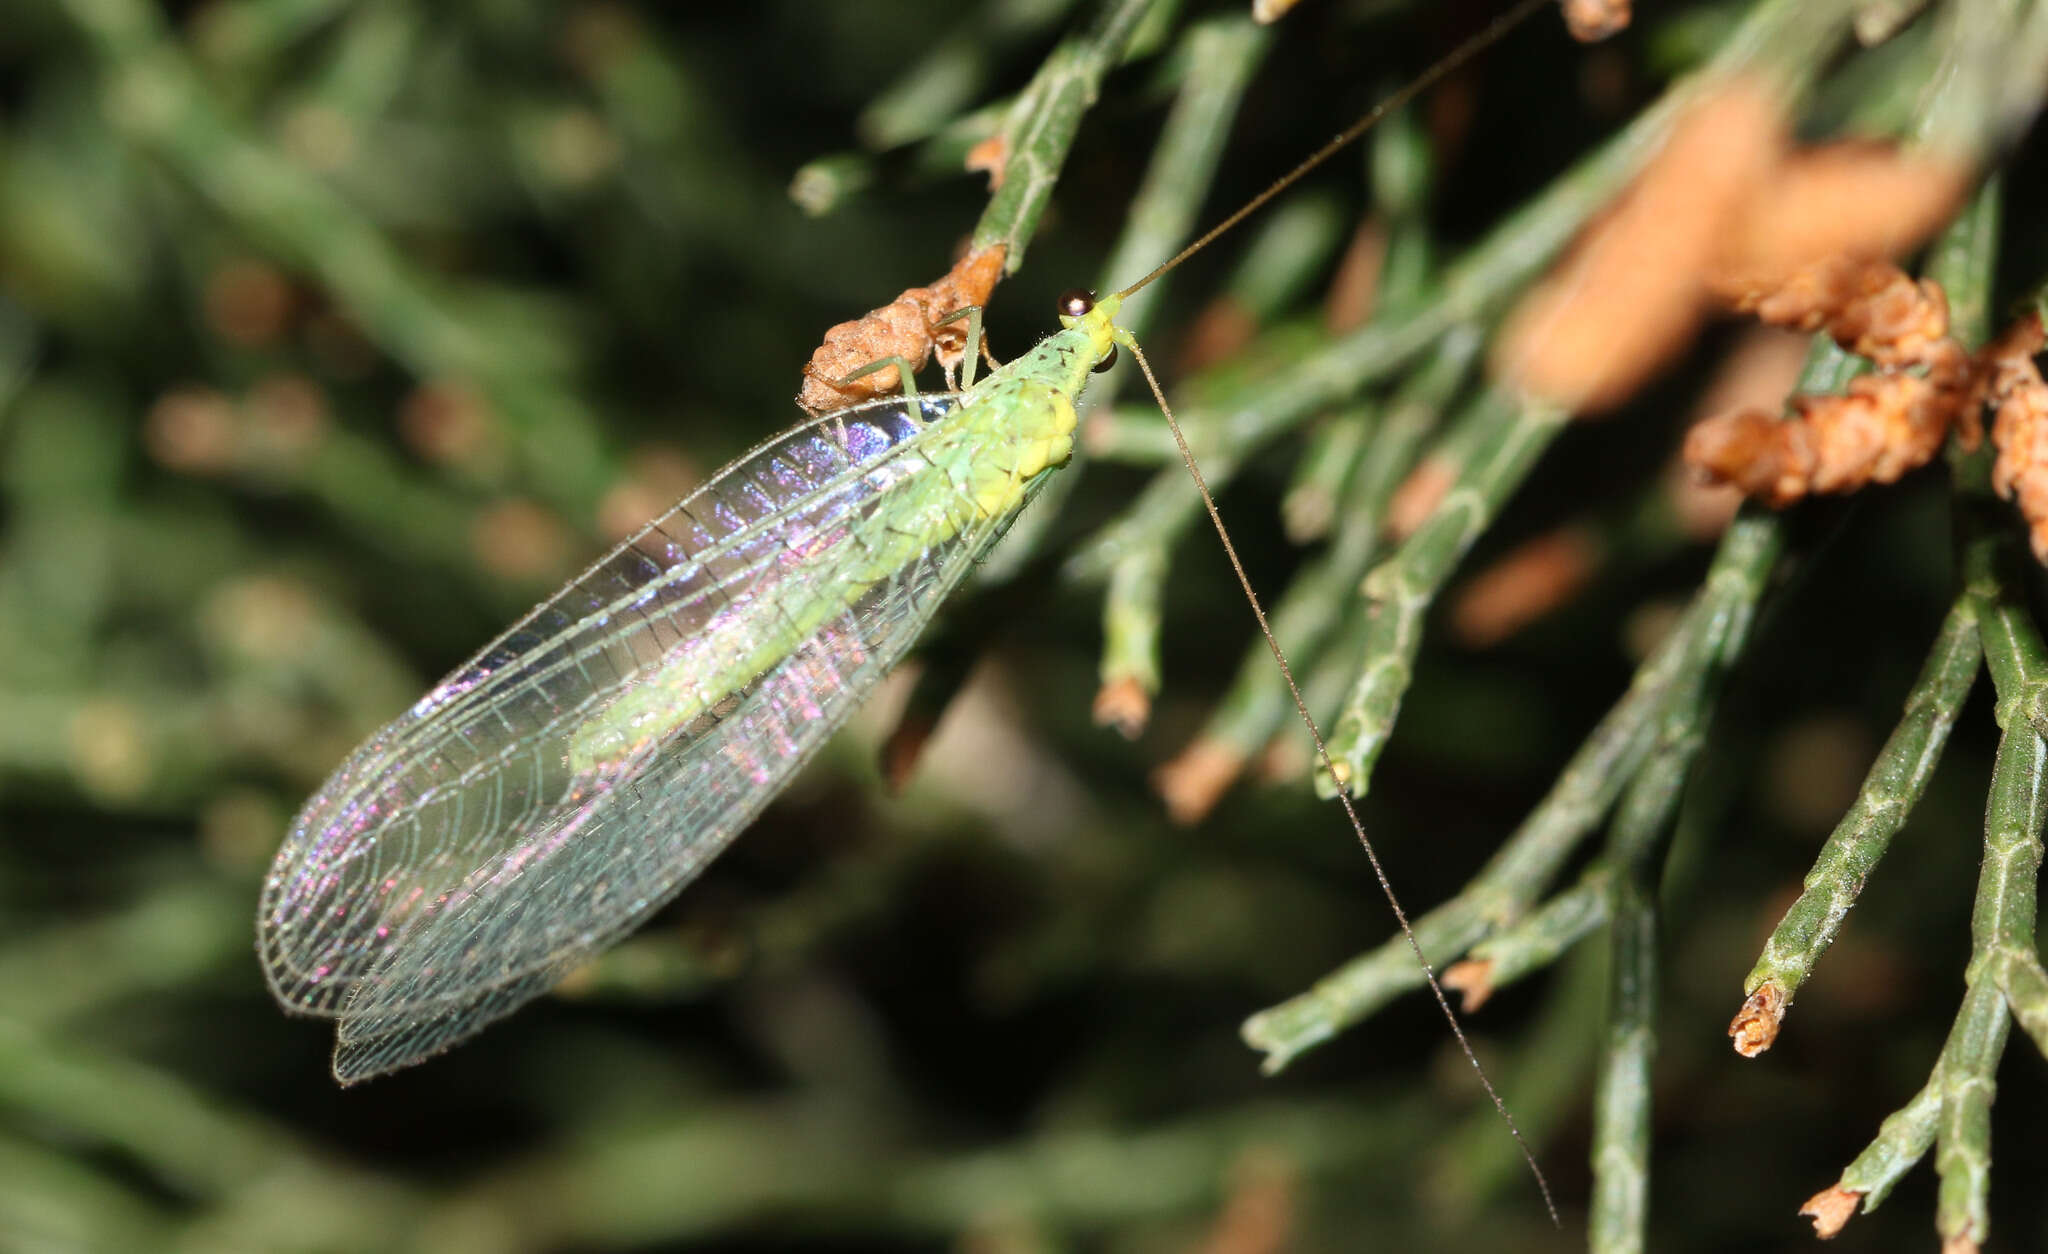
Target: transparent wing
{"x": 455, "y": 865}
{"x": 537, "y": 911}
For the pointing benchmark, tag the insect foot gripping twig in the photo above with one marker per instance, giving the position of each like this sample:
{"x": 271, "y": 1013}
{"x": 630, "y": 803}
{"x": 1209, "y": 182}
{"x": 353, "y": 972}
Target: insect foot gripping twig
{"x": 908, "y": 327}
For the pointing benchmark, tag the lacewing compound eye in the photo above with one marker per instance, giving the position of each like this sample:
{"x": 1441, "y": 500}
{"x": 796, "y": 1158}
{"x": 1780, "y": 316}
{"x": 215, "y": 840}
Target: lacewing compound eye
{"x": 1076, "y": 301}
{"x": 1108, "y": 360}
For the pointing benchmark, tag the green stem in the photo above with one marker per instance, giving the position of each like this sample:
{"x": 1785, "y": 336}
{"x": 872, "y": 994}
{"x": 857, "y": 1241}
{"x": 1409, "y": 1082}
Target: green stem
{"x": 1543, "y": 937}
{"x": 1621, "y": 1094}
{"x": 1333, "y": 449}
{"x": 1953, "y": 1111}
{"x": 1503, "y": 889}
{"x": 1890, "y": 791}
{"x": 1131, "y": 612}
{"x": 1222, "y": 56}
{"x": 1474, "y": 289}
{"x": 1987, "y": 83}
{"x": 822, "y": 185}
{"x": 1307, "y": 615}
{"x": 1511, "y": 436}
{"x": 2002, "y": 932}
{"x": 1330, "y": 453}
{"x": 1637, "y": 844}
{"x": 1788, "y": 37}
{"x": 1901, "y": 1141}
{"x": 1716, "y": 625}
{"x": 1636, "y": 848}
{"x": 1287, "y": 256}
{"x": 926, "y": 96}
{"x": 1042, "y": 125}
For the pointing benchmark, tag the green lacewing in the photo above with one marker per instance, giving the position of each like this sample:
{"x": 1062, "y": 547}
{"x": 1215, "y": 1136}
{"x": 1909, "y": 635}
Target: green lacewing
{"x": 574, "y": 775}
{"x": 571, "y": 777}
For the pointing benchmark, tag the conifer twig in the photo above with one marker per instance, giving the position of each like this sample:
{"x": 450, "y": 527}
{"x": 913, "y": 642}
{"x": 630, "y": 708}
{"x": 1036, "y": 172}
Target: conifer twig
{"x": 930, "y": 91}
{"x": 1535, "y": 941}
{"x": 1718, "y": 620}
{"x": 1308, "y": 615}
{"x": 1952, "y": 1112}
{"x": 1221, "y": 58}
{"x": 1510, "y": 881}
{"x": 1890, "y": 791}
{"x": 1473, "y": 290}
{"x": 1509, "y": 437}
{"x": 1043, "y": 122}
{"x": 1222, "y": 55}
{"x": 1637, "y": 842}
{"x": 1355, "y": 465}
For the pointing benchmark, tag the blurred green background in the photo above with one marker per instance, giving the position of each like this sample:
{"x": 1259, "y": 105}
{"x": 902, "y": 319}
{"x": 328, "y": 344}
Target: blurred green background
{"x": 334, "y": 333}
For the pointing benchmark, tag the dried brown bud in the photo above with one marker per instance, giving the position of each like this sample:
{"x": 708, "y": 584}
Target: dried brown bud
{"x": 447, "y": 422}
{"x": 194, "y": 430}
{"x": 906, "y": 327}
{"x": 1355, "y": 288}
{"x": 991, "y": 157}
{"x": 1754, "y": 452}
{"x": 1196, "y": 778}
{"x": 2020, "y": 430}
{"x": 1831, "y": 1209}
{"x": 1871, "y": 308}
{"x": 1125, "y": 705}
{"x": 1473, "y": 978}
{"x": 903, "y": 749}
{"x": 2010, "y": 381}
{"x": 1523, "y": 586}
{"x": 656, "y": 477}
{"x": 1755, "y": 1026}
{"x": 1259, "y": 1206}
{"x": 1419, "y": 495}
{"x": 1886, "y": 424}
{"x": 248, "y": 303}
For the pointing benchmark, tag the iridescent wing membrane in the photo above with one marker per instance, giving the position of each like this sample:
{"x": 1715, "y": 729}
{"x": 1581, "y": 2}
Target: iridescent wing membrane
{"x": 457, "y": 865}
